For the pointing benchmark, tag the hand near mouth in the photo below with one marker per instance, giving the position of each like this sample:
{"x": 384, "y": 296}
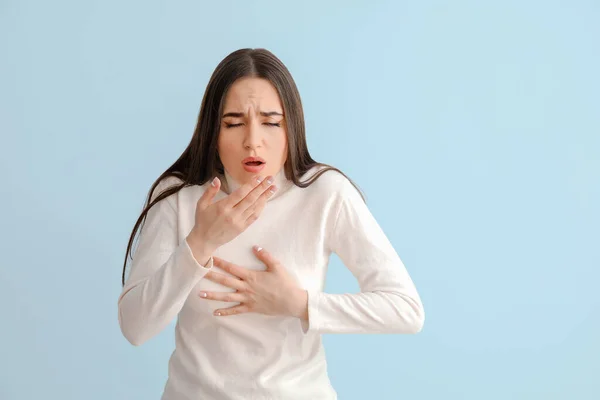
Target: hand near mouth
{"x": 220, "y": 222}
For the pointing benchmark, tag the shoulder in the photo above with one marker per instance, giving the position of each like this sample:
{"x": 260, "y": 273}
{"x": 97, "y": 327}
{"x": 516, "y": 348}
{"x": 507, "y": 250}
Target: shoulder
{"x": 168, "y": 182}
{"x": 331, "y": 183}
{"x": 165, "y": 184}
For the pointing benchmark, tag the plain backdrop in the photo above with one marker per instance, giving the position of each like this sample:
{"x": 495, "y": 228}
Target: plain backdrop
{"x": 472, "y": 126}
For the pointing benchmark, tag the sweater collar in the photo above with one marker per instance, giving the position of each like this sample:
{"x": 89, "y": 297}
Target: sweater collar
{"x": 230, "y": 184}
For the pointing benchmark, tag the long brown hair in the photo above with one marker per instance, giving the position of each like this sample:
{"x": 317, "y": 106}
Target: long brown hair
{"x": 200, "y": 161}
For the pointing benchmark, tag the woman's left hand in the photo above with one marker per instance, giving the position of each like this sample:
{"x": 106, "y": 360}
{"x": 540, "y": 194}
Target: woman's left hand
{"x": 270, "y": 292}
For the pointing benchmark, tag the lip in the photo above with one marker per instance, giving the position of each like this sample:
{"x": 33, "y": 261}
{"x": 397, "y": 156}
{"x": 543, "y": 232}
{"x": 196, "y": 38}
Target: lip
{"x": 253, "y": 168}
{"x": 248, "y": 159}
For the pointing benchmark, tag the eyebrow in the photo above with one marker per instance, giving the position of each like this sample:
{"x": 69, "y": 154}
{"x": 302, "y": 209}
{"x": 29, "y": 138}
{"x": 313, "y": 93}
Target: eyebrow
{"x": 264, "y": 114}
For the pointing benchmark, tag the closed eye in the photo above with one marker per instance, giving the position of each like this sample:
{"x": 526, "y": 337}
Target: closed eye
{"x": 276, "y": 124}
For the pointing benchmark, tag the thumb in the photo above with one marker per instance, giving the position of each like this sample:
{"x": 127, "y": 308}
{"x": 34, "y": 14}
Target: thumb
{"x": 210, "y": 193}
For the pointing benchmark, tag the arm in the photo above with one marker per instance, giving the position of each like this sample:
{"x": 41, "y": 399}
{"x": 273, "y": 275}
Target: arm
{"x": 163, "y": 273}
{"x": 388, "y": 301}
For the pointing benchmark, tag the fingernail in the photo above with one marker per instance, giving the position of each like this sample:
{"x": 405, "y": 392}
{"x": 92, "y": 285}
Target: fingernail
{"x": 218, "y": 313}
{"x": 203, "y": 294}
{"x": 257, "y": 248}
{"x": 270, "y": 180}
{"x": 214, "y": 182}
{"x": 273, "y": 190}
{"x": 259, "y": 179}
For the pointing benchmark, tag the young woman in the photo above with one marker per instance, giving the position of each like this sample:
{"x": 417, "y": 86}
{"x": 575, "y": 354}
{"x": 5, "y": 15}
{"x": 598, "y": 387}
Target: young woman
{"x": 235, "y": 241}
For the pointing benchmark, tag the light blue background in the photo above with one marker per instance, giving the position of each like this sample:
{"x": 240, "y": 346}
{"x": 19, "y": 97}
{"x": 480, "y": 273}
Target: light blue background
{"x": 473, "y": 128}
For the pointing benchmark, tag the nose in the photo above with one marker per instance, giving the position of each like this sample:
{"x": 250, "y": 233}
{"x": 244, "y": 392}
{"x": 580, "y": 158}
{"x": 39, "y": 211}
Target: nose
{"x": 253, "y": 136}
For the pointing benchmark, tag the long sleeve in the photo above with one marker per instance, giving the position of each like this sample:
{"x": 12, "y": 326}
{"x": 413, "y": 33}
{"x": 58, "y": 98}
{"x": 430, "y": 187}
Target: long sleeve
{"x": 162, "y": 275}
{"x": 388, "y": 301}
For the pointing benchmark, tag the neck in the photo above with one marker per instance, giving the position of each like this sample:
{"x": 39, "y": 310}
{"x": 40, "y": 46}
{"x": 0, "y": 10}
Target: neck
{"x": 230, "y": 184}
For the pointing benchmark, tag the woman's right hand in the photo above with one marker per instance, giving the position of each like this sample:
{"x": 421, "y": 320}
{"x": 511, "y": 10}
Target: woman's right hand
{"x": 220, "y": 222}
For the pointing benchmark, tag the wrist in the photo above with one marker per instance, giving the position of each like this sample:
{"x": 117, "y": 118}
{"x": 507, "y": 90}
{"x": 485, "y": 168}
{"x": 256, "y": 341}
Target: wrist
{"x": 201, "y": 250}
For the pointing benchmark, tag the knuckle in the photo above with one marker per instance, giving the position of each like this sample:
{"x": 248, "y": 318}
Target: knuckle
{"x": 253, "y": 216}
{"x": 261, "y": 204}
{"x": 251, "y": 279}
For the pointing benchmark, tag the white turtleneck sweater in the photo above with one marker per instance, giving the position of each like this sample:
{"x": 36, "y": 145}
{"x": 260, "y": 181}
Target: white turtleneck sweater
{"x": 255, "y": 356}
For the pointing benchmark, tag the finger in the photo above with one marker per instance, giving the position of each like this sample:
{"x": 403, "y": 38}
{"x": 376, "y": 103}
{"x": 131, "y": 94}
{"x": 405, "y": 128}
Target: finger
{"x": 229, "y": 281}
{"x": 252, "y": 197}
{"x": 210, "y": 193}
{"x": 256, "y": 209}
{"x": 240, "y": 193}
{"x": 232, "y": 297}
{"x": 240, "y": 309}
{"x": 233, "y": 269}
{"x": 266, "y": 257}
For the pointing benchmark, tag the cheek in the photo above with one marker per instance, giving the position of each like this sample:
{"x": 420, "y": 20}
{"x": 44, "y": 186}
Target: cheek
{"x": 226, "y": 152}
{"x": 283, "y": 145}
{"x": 280, "y": 148}
{"x": 225, "y": 146}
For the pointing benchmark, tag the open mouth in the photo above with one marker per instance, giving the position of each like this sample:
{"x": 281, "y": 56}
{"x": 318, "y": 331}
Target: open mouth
{"x": 254, "y": 163}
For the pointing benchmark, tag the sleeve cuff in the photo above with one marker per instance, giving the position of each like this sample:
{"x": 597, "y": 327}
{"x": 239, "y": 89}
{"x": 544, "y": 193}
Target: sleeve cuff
{"x": 191, "y": 260}
{"x": 312, "y": 325}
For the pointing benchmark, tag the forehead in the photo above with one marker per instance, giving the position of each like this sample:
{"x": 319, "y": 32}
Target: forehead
{"x": 252, "y": 92}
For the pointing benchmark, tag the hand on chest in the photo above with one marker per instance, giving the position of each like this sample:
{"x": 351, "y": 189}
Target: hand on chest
{"x": 285, "y": 263}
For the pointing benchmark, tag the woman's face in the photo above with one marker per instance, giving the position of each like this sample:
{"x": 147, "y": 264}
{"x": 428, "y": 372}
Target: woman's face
{"x": 252, "y": 125}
